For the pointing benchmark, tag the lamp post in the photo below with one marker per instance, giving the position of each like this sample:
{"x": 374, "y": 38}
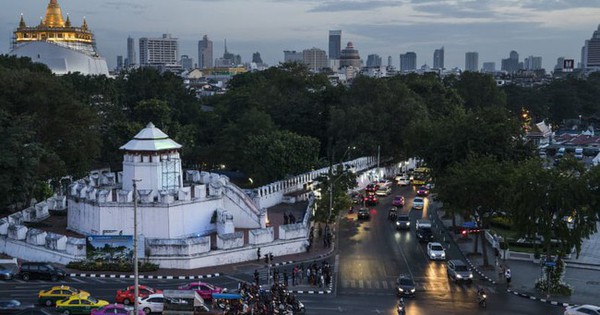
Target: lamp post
{"x": 135, "y": 250}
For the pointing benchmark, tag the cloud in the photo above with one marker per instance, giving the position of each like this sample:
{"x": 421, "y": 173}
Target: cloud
{"x": 339, "y": 6}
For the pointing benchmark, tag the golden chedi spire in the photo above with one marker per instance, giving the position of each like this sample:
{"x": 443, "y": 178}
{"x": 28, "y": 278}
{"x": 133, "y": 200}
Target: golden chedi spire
{"x": 68, "y": 21}
{"x": 54, "y": 15}
{"x": 84, "y": 26}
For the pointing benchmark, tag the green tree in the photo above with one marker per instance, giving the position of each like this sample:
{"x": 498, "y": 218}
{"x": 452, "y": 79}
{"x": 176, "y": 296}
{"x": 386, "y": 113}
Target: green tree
{"x": 334, "y": 187}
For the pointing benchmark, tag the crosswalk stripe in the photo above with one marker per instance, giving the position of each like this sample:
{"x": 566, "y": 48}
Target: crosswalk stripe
{"x": 361, "y": 284}
{"x": 368, "y": 284}
{"x": 384, "y": 284}
{"x": 376, "y": 285}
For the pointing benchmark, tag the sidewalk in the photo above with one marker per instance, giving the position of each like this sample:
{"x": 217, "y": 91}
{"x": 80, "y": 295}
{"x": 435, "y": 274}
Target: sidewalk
{"x": 525, "y": 273}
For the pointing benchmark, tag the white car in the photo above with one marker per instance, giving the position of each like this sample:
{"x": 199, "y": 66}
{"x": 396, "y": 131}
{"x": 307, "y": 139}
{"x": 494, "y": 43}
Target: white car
{"x": 153, "y": 303}
{"x": 583, "y": 310}
{"x": 402, "y": 180}
{"x": 383, "y": 191}
{"x": 435, "y": 251}
{"x": 384, "y": 183}
{"x": 418, "y": 203}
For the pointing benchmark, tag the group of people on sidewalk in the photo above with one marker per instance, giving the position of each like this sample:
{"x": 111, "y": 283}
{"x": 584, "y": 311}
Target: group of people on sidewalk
{"x": 504, "y": 273}
{"x": 315, "y": 275}
{"x": 254, "y": 300}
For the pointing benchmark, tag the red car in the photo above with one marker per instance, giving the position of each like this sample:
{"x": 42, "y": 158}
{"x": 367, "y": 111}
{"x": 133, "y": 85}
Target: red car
{"x": 398, "y": 201}
{"x": 205, "y": 290}
{"x": 371, "y": 188}
{"x": 422, "y": 191}
{"x": 125, "y": 296}
{"x": 371, "y": 200}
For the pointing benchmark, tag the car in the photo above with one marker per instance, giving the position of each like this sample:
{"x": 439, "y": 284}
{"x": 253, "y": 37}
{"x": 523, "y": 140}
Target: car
{"x": 8, "y": 269}
{"x": 423, "y": 191}
{"x": 398, "y": 201}
{"x": 125, "y": 296}
{"x": 393, "y": 213}
{"x": 384, "y": 183}
{"x": 77, "y": 304}
{"x": 371, "y": 188}
{"x": 371, "y": 200}
{"x": 364, "y": 214}
{"x": 56, "y": 293}
{"x": 436, "y": 251}
{"x": 403, "y": 222}
{"x": 10, "y": 306}
{"x": 34, "y": 311}
{"x": 418, "y": 203}
{"x": 40, "y": 270}
{"x": 405, "y": 286}
{"x": 424, "y": 233}
{"x": 383, "y": 191}
{"x": 115, "y": 309}
{"x": 585, "y": 309}
{"x": 205, "y": 290}
{"x": 402, "y": 180}
{"x": 458, "y": 271}
{"x": 356, "y": 197}
{"x": 153, "y": 303}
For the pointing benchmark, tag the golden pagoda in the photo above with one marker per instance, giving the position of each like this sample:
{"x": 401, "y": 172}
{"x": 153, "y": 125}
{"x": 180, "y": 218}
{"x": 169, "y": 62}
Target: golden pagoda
{"x": 53, "y": 28}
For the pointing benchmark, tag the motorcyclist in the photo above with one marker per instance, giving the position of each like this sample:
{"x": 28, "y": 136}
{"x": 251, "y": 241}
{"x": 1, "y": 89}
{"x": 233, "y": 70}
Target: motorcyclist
{"x": 401, "y": 308}
{"x": 481, "y": 297}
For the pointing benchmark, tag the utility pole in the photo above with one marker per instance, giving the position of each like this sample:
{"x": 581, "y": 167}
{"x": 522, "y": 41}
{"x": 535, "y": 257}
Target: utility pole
{"x": 378, "y": 156}
{"x": 135, "y": 249}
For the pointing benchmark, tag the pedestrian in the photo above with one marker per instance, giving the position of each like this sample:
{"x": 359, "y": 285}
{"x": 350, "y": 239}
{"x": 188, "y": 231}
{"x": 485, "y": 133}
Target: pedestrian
{"x": 292, "y": 218}
{"x": 285, "y": 218}
{"x": 294, "y": 275}
{"x": 258, "y": 254}
{"x": 285, "y": 278}
{"x": 301, "y": 271}
{"x": 508, "y": 276}
{"x": 256, "y": 276}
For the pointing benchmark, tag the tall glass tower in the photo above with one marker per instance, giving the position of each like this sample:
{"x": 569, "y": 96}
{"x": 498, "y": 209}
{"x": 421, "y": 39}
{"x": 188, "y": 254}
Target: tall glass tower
{"x": 335, "y": 44}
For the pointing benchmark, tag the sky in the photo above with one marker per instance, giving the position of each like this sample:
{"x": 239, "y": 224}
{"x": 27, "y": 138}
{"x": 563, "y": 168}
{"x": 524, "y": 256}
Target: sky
{"x": 547, "y": 28}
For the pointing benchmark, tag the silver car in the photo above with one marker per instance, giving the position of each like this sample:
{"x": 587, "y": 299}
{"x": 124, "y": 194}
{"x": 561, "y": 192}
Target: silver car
{"x": 459, "y": 271}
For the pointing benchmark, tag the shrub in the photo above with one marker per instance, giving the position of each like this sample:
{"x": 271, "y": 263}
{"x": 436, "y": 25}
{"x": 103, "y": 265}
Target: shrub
{"x": 121, "y": 266}
{"x": 501, "y": 223}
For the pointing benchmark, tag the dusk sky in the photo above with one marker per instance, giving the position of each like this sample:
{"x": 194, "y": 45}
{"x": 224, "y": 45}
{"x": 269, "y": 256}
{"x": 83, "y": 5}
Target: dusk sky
{"x": 547, "y": 28}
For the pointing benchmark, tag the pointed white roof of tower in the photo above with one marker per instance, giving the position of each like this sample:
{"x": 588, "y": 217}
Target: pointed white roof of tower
{"x": 151, "y": 139}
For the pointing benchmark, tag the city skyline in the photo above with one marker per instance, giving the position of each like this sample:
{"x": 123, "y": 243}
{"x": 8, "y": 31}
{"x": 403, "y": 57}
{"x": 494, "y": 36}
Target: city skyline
{"x": 549, "y": 29}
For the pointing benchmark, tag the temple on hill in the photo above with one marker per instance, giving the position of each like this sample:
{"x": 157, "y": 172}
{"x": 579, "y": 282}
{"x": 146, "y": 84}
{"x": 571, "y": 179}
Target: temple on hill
{"x": 57, "y": 43}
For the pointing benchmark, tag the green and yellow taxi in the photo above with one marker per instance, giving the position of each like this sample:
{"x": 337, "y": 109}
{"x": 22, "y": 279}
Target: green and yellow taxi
{"x": 79, "y": 304}
{"x": 56, "y": 293}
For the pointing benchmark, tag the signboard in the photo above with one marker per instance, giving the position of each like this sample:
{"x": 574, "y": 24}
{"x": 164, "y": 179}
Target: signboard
{"x": 568, "y": 65}
{"x": 109, "y": 247}
{"x": 470, "y": 224}
{"x": 550, "y": 263}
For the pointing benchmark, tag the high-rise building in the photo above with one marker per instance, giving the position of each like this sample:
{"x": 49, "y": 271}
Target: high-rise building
{"x": 472, "y": 61}
{"x": 131, "y": 56}
{"x": 511, "y": 64}
{"x": 389, "y": 63}
{"x": 335, "y": 44}
{"x": 373, "y": 61}
{"x": 350, "y": 57}
{"x": 256, "y": 58}
{"x": 560, "y": 62}
{"x": 293, "y": 56}
{"x": 438, "y": 58}
{"x": 119, "y": 62}
{"x": 186, "y": 62}
{"x": 205, "y": 53}
{"x": 489, "y": 67}
{"x": 532, "y": 63}
{"x": 229, "y": 59}
{"x": 408, "y": 62}
{"x": 159, "y": 52}
{"x": 315, "y": 59}
{"x": 590, "y": 52}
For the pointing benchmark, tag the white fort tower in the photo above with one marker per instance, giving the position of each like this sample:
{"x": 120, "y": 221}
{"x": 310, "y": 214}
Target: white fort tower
{"x": 102, "y": 203}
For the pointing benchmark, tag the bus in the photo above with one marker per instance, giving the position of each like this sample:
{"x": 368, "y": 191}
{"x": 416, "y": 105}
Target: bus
{"x": 421, "y": 176}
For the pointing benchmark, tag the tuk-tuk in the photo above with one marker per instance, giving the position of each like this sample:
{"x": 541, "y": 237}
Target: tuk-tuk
{"x": 184, "y": 302}
{"x": 393, "y": 214}
{"x": 227, "y": 302}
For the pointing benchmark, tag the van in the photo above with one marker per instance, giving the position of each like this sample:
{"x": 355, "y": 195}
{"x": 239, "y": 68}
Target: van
{"x": 579, "y": 153}
{"x": 184, "y": 302}
{"x": 561, "y": 152}
{"x": 40, "y": 271}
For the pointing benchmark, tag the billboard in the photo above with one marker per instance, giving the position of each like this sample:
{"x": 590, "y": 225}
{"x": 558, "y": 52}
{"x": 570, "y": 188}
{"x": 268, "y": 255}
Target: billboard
{"x": 568, "y": 65}
{"x": 109, "y": 247}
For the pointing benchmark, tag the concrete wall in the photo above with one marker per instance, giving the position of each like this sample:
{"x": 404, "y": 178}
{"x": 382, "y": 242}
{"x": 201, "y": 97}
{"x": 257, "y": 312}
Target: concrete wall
{"x": 31, "y": 252}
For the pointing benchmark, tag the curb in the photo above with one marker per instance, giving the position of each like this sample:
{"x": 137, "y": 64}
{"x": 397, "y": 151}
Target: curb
{"x": 535, "y": 298}
{"x": 481, "y": 274}
{"x": 113, "y": 276}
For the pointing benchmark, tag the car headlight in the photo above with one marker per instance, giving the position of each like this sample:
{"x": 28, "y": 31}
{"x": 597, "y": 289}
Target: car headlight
{"x": 397, "y": 223}
{"x": 400, "y": 289}
{"x": 412, "y": 290}
{"x": 443, "y": 255}
{"x": 470, "y": 275}
{"x": 458, "y": 276}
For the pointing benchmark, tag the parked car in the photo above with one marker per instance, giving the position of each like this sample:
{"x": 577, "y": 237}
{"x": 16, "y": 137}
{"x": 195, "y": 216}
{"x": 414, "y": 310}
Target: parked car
{"x": 398, "y": 201}
{"x": 423, "y": 191}
{"x": 405, "y": 286}
{"x": 364, "y": 214}
{"x": 115, "y": 309}
{"x": 403, "y": 222}
{"x": 76, "y": 304}
{"x": 40, "y": 270}
{"x": 126, "y": 296}
{"x": 153, "y": 303}
{"x": 384, "y": 191}
{"x": 418, "y": 203}
{"x": 435, "y": 251}
{"x": 458, "y": 271}
{"x": 585, "y": 309}
{"x": 205, "y": 290}
{"x": 56, "y": 293}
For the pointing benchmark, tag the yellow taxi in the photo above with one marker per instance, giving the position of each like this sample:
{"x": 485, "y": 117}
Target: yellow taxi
{"x": 79, "y": 304}
{"x": 56, "y": 293}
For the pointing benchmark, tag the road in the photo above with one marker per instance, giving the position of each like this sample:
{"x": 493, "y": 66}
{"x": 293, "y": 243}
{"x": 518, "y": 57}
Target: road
{"x": 371, "y": 254}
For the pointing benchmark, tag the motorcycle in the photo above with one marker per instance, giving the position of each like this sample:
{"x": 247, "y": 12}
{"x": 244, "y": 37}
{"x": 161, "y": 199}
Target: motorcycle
{"x": 401, "y": 307}
{"x": 482, "y": 299}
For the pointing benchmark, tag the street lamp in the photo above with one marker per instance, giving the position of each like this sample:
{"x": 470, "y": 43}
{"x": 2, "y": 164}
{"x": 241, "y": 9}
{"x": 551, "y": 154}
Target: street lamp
{"x": 135, "y": 249}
